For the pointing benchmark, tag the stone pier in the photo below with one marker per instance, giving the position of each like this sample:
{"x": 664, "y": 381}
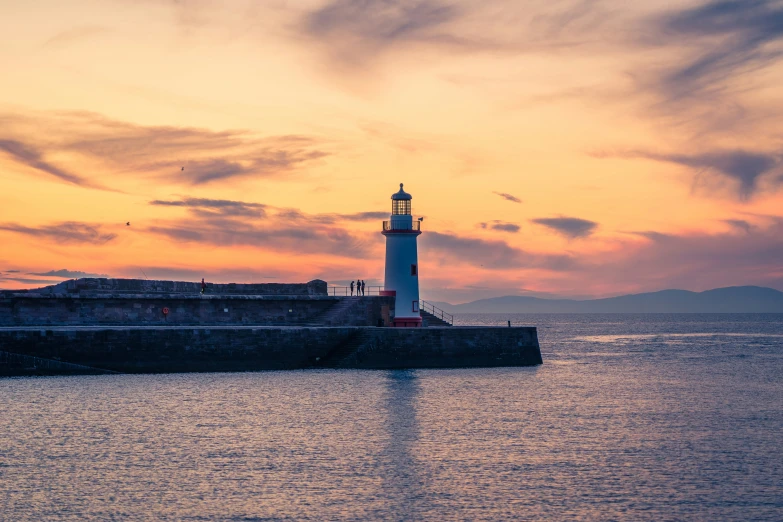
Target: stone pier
{"x": 134, "y": 326}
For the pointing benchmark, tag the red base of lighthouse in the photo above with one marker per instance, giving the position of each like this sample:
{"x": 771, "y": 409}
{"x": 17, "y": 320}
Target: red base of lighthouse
{"x": 406, "y": 322}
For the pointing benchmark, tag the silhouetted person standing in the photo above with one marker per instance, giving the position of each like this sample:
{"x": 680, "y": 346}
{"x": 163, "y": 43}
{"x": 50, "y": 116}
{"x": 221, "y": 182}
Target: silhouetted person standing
{"x": 351, "y": 286}
{"x": 362, "y": 286}
{"x": 203, "y": 286}
{"x": 358, "y": 286}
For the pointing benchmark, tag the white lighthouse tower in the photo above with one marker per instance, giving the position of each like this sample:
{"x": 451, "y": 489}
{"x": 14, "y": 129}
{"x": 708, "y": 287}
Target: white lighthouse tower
{"x": 402, "y": 260}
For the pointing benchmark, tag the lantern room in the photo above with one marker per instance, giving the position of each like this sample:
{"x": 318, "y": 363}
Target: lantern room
{"x": 401, "y": 203}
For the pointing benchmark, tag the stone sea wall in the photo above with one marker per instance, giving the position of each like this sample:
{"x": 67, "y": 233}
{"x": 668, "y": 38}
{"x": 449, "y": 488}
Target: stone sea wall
{"x": 449, "y": 347}
{"x": 184, "y": 309}
{"x": 114, "y": 287}
{"x": 182, "y": 349}
{"x": 149, "y": 310}
{"x": 139, "y": 326}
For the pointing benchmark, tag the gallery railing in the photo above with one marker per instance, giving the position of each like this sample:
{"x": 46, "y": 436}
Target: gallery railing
{"x": 392, "y": 226}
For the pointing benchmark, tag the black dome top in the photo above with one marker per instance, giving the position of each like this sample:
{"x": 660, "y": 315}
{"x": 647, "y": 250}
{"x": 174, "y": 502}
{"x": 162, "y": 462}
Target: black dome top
{"x": 401, "y": 195}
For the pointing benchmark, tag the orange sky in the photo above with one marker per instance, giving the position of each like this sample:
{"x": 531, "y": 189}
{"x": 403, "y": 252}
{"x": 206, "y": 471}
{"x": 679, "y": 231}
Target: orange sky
{"x": 572, "y": 148}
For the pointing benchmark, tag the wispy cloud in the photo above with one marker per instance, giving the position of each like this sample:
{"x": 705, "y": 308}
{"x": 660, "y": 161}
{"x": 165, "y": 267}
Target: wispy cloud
{"x": 158, "y": 152}
{"x": 65, "y": 232}
{"x": 742, "y": 167}
{"x": 356, "y": 33}
{"x": 67, "y": 274}
{"x": 364, "y": 216}
{"x": 323, "y": 240}
{"x": 269, "y": 163}
{"x": 652, "y": 235}
{"x": 492, "y": 254}
{"x": 223, "y": 207}
{"x": 727, "y": 38}
{"x": 695, "y": 261}
{"x": 32, "y": 157}
{"x": 501, "y": 226}
{"x": 570, "y": 227}
{"x": 746, "y": 170}
{"x": 706, "y": 62}
{"x": 25, "y": 280}
{"x": 210, "y": 207}
{"x": 239, "y": 223}
{"x": 508, "y": 197}
{"x": 354, "y": 30}
{"x": 739, "y": 224}
{"x": 207, "y": 156}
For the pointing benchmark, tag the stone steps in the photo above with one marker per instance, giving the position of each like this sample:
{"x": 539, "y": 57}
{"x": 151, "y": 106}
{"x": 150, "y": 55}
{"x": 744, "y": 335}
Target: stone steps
{"x": 342, "y": 351}
{"x": 433, "y": 320}
{"x": 334, "y": 313}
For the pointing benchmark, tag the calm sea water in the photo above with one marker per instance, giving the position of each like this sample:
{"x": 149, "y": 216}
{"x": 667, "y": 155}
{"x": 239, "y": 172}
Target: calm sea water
{"x": 636, "y": 417}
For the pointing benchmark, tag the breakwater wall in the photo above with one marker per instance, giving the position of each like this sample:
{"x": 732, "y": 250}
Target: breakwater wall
{"x": 235, "y": 348}
{"x": 111, "y": 286}
{"x": 192, "y": 309}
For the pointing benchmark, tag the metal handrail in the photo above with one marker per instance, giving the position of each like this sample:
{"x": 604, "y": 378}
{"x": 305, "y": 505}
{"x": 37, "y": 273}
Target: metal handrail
{"x": 346, "y": 290}
{"x": 437, "y": 312}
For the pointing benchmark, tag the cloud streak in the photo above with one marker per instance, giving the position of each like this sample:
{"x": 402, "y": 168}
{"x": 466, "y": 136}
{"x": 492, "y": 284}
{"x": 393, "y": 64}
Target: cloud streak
{"x": 237, "y": 223}
{"x": 33, "y": 158}
{"x": 730, "y": 36}
{"x": 322, "y": 240}
{"x": 356, "y": 34}
{"x": 354, "y": 30}
{"x": 26, "y": 280}
{"x": 508, "y": 197}
{"x": 492, "y": 254}
{"x": 501, "y": 226}
{"x": 157, "y": 152}
{"x": 65, "y": 233}
{"x": 696, "y": 261}
{"x": 67, "y": 274}
{"x": 569, "y": 227}
{"x": 230, "y": 208}
{"x": 739, "y": 224}
{"x": 211, "y": 207}
{"x": 748, "y": 172}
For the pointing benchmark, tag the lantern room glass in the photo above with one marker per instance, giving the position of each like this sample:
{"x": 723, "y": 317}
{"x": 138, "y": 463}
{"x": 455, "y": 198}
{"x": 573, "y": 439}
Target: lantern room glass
{"x": 401, "y": 207}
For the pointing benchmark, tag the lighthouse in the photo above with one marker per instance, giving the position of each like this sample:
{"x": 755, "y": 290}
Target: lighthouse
{"x": 402, "y": 263}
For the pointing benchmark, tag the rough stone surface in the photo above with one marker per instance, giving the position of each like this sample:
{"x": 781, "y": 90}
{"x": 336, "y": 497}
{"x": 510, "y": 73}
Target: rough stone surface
{"x": 182, "y": 349}
{"x": 446, "y": 347}
{"x": 193, "y": 309}
{"x": 119, "y": 325}
{"x": 107, "y": 286}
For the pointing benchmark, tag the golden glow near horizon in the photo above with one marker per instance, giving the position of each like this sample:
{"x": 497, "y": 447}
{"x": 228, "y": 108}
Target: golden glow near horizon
{"x": 553, "y": 147}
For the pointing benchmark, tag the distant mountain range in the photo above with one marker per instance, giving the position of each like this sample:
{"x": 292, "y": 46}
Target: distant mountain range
{"x": 734, "y": 299}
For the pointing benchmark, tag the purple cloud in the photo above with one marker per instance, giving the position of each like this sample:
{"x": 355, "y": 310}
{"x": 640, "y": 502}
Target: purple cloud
{"x": 508, "y": 197}
{"x": 570, "y": 227}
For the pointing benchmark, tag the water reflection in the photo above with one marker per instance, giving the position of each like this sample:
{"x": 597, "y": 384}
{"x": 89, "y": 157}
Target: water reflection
{"x": 403, "y": 484}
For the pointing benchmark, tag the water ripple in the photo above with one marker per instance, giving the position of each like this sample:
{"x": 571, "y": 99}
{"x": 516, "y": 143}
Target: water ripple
{"x": 621, "y": 422}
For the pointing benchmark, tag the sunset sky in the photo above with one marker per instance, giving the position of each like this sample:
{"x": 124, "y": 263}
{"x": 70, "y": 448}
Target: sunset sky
{"x": 571, "y": 148}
